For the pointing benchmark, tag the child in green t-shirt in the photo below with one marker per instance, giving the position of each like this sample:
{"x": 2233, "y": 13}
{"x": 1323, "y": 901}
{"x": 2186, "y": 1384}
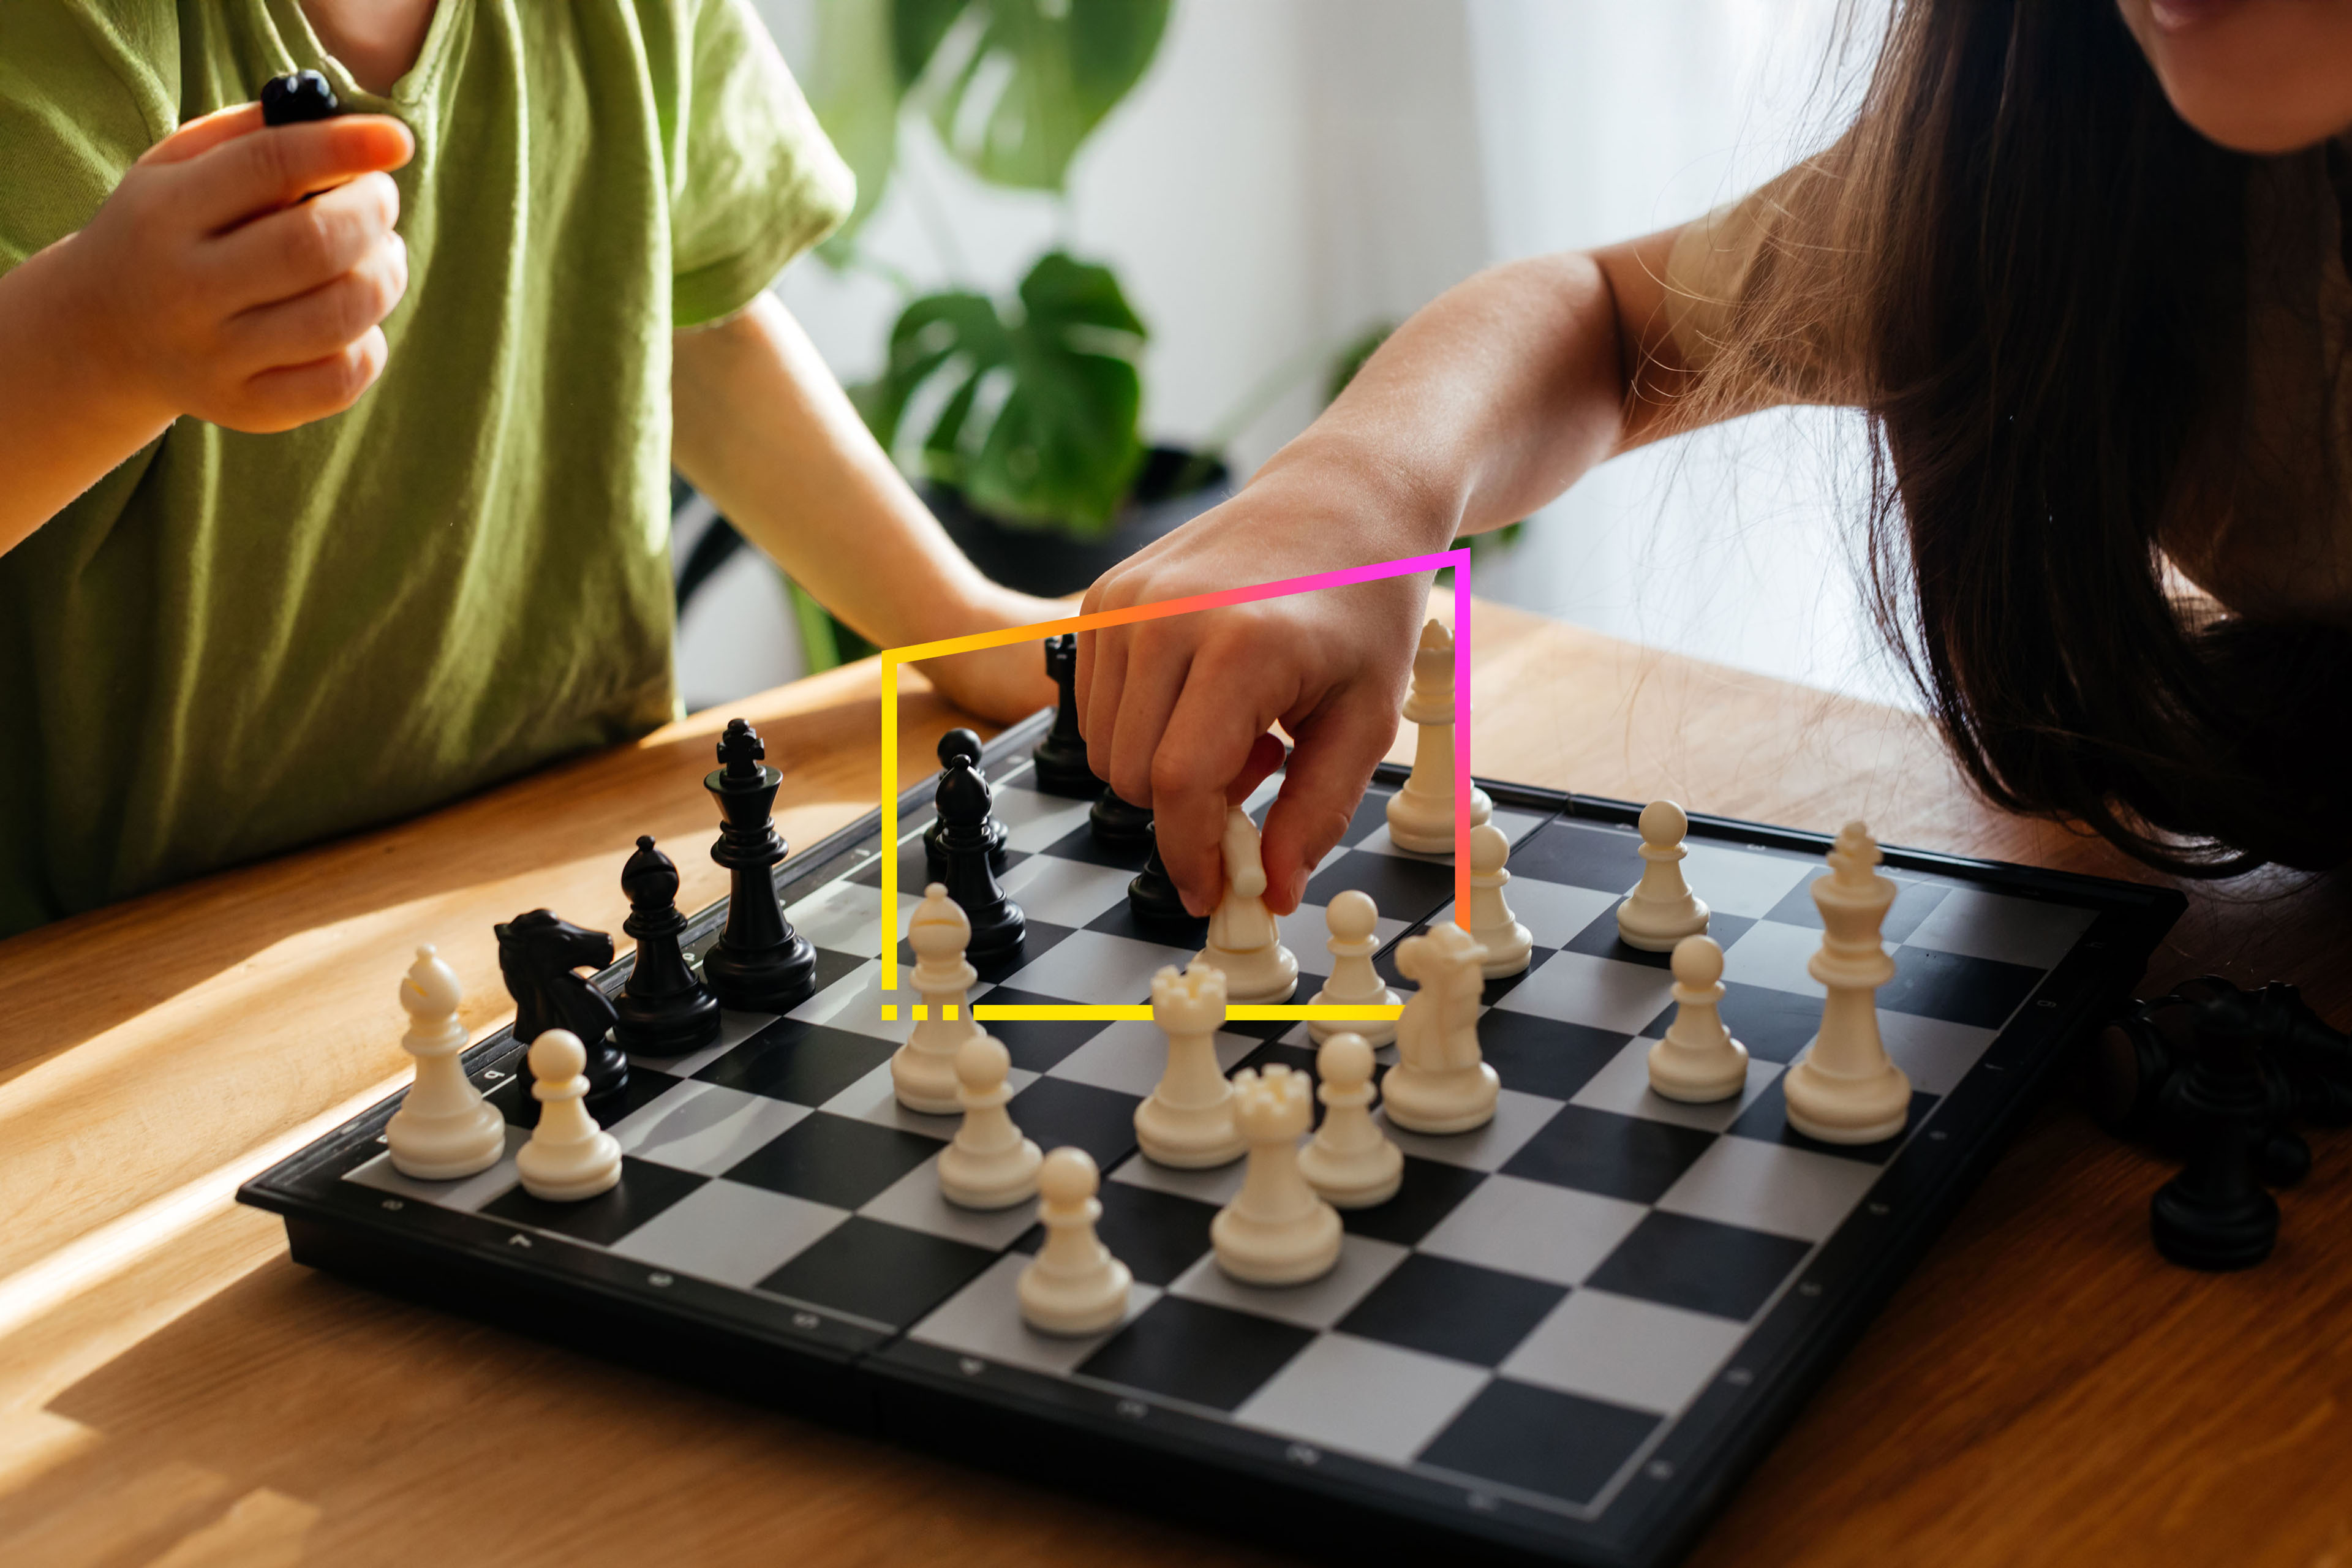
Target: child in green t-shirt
{"x": 317, "y": 511}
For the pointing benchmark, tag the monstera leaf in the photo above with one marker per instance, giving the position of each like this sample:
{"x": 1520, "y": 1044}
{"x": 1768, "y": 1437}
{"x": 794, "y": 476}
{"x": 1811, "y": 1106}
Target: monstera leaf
{"x": 1022, "y": 82}
{"x": 1038, "y": 421}
{"x": 1013, "y": 85}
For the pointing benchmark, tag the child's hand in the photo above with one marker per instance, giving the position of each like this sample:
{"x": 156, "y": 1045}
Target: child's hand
{"x": 1176, "y": 711}
{"x": 207, "y": 286}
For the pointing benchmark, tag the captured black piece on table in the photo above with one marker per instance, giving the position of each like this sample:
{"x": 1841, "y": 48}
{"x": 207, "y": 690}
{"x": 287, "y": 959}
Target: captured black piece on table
{"x": 297, "y": 99}
{"x": 540, "y": 955}
{"x": 957, "y": 743}
{"x": 2215, "y": 1214}
{"x": 665, "y": 1009}
{"x": 760, "y": 964}
{"x": 1062, "y": 755}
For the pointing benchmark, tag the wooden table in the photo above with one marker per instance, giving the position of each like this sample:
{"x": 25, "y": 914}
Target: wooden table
{"x": 174, "y": 1391}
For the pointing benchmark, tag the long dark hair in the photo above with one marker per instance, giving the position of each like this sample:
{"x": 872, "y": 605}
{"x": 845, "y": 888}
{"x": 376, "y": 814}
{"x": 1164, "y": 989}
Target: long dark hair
{"x": 2046, "y": 269}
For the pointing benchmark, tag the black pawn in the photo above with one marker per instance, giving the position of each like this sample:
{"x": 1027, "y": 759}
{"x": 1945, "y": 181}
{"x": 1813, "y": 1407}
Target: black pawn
{"x": 997, "y": 922}
{"x": 760, "y": 964}
{"x": 297, "y": 98}
{"x": 1153, "y": 901}
{"x": 1117, "y": 824}
{"x": 1062, "y": 755}
{"x": 953, "y": 744}
{"x": 2215, "y": 1214}
{"x": 664, "y": 1010}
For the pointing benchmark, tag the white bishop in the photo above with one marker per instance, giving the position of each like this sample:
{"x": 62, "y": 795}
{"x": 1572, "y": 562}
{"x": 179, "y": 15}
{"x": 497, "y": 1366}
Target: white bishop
{"x": 444, "y": 1129}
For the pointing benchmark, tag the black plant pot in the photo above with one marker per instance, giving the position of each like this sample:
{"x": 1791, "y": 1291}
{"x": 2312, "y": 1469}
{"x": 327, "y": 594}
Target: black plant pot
{"x": 1172, "y": 488}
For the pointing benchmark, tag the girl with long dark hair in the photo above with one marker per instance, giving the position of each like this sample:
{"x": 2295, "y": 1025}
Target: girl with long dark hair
{"x": 2082, "y": 263}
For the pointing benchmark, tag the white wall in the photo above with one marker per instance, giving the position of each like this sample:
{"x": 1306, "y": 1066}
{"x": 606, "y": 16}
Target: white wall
{"x": 1292, "y": 169}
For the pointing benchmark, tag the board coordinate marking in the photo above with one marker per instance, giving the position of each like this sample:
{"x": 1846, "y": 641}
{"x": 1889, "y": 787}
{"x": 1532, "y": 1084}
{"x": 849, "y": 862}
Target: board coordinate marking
{"x": 887, "y": 938}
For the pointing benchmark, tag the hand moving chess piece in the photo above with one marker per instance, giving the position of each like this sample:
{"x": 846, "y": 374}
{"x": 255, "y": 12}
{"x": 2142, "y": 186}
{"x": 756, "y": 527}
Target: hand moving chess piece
{"x": 1349, "y": 1161}
{"x": 1844, "y": 1090}
{"x": 1188, "y": 1121}
{"x": 444, "y": 1128}
{"x": 569, "y": 1157}
{"x": 964, "y": 802}
{"x": 1060, "y": 756}
{"x": 1354, "y": 921}
{"x": 989, "y": 1165}
{"x": 1420, "y": 814}
{"x": 1441, "y": 1083}
{"x": 953, "y": 744}
{"x": 1495, "y": 929}
{"x": 540, "y": 955}
{"x": 1244, "y": 941}
{"x": 760, "y": 964}
{"x": 664, "y": 1010}
{"x": 1275, "y": 1231}
{"x": 923, "y": 1070}
{"x": 1698, "y": 1061}
{"x": 1073, "y": 1286}
{"x": 1662, "y": 909}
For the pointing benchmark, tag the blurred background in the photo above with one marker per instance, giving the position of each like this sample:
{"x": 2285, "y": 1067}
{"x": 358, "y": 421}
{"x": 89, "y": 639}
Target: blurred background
{"x": 1111, "y": 255}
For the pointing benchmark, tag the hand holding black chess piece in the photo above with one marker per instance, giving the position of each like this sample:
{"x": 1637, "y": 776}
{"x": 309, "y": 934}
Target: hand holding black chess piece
{"x": 297, "y": 99}
{"x": 1062, "y": 755}
{"x": 760, "y": 964}
{"x": 665, "y": 1010}
{"x": 965, "y": 744}
{"x": 540, "y": 955}
{"x": 963, "y": 801}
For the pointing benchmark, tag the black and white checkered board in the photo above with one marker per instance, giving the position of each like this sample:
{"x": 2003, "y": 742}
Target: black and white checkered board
{"x": 1566, "y": 1336}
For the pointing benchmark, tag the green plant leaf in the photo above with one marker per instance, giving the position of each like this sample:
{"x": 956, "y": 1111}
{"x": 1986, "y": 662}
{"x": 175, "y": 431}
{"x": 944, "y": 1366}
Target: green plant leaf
{"x": 853, "y": 85}
{"x": 917, "y": 26}
{"x": 1036, "y": 77}
{"x": 1061, "y": 448}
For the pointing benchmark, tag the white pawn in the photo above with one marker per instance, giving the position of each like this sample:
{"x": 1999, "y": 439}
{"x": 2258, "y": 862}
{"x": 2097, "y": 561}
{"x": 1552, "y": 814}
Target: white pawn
{"x": 1662, "y": 909}
{"x": 1275, "y": 1231}
{"x": 1698, "y": 1060}
{"x": 1354, "y": 919}
{"x": 1350, "y": 1160}
{"x": 989, "y": 1165}
{"x": 1420, "y": 814}
{"x": 1188, "y": 1121}
{"x": 1073, "y": 1286}
{"x": 1845, "y": 1089}
{"x": 444, "y": 1129}
{"x": 1494, "y": 926}
{"x": 569, "y": 1157}
{"x": 922, "y": 1071}
{"x": 1244, "y": 941}
{"x": 1441, "y": 1082}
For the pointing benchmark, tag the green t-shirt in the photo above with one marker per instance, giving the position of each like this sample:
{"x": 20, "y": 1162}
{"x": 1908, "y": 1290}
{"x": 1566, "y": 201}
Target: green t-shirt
{"x": 235, "y": 643}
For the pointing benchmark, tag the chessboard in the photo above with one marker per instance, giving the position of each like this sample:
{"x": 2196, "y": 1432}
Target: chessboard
{"x": 1566, "y": 1338}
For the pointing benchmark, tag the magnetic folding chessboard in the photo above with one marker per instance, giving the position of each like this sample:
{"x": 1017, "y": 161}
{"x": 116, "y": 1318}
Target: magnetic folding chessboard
{"x": 1566, "y": 1338}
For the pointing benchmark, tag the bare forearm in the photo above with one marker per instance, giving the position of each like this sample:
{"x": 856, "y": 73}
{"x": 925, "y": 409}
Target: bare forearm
{"x": 64, "y": 423}
{"x": 1487, "y": 402}
{"x": 763, "y": 429}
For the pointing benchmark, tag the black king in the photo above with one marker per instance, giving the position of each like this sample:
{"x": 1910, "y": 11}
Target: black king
{"x": 760, "y": 964}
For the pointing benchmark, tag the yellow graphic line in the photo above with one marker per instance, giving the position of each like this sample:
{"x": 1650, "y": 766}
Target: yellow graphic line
{"x": 1107, "y": 1013}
